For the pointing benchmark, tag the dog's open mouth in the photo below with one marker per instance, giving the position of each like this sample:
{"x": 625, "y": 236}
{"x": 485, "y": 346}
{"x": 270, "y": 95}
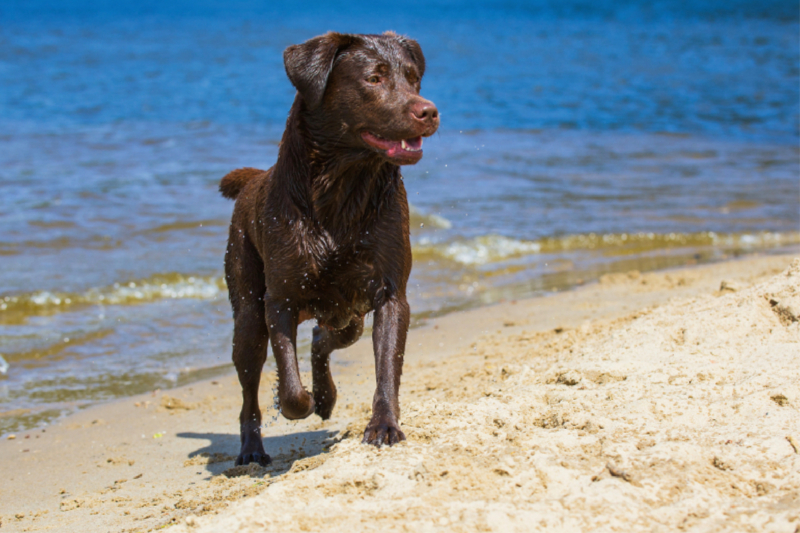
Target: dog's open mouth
{"x": 403, "y": 152}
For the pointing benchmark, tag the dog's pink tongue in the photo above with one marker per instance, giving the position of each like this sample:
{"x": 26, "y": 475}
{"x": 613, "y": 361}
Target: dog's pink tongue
{"x": 394, "y": 150}
{"x": 405, "y": 150}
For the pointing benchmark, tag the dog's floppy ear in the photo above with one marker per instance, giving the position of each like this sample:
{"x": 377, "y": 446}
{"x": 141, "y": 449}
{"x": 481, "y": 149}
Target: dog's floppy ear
{"x": 412, "y": 47}
{"x": 308, "y": 65}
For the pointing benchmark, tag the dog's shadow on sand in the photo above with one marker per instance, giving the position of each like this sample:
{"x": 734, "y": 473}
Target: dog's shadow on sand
{"x": 220, "y": 454}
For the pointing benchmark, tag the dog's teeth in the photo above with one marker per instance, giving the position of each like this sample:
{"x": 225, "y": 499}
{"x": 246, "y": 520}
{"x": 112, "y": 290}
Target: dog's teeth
{"x": 403, "y": 145}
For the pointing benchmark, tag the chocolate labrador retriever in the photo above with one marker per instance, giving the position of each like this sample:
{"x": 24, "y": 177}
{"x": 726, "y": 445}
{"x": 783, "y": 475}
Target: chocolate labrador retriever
{"x": 323, "y": 234}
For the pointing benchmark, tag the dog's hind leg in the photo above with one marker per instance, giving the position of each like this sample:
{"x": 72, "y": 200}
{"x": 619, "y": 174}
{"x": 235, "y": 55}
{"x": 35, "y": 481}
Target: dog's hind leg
{"x": 282, "y": 319}
{"x": 325, "y": 341}
{"x": 243, "y": 269}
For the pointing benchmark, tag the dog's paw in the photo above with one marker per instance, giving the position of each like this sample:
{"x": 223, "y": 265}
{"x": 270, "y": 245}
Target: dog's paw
{"x": 381, "y": 432}
{"x": 298, "y": 405}
{"x": 255, "y": 457}
{"x": 324, "y": 401}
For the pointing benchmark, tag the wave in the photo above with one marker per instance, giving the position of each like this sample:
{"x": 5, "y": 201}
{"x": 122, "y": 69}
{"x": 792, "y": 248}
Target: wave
{"x": 480, "y": 250}
{"x": 477, "y": 251}
{"x": 493, "y": 248}
{"x": 418, "y": 219}
{"x": 158, "y": 287}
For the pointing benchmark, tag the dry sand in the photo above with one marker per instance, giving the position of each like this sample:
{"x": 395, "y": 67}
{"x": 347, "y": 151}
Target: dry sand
{"x": 653, "y": 402}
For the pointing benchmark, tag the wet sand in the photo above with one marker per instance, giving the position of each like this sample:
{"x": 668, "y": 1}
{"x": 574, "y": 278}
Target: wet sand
{"x": 645, "y": 402}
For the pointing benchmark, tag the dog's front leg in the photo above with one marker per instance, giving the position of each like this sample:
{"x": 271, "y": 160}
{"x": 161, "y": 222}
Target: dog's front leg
{"x": 295, "y": 401}
{"x": 389, "y": 330}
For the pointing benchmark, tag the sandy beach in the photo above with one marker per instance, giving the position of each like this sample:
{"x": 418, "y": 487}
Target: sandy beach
{"x": 645, "y": 402}
{"x": 605, "y": 237}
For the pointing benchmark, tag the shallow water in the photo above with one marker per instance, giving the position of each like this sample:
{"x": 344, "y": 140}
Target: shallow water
{"x": 577, "y": 139}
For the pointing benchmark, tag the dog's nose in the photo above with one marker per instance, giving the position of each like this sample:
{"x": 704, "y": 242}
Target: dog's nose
{"x": 425, "y": 111}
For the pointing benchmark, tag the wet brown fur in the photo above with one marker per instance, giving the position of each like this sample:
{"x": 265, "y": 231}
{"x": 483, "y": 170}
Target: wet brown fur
{"x": 324, "y": 233}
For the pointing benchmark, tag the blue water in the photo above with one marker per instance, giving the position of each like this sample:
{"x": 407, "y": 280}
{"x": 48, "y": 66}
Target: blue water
{"x": 714, "y": 68}
{"x": 577, "y": 138}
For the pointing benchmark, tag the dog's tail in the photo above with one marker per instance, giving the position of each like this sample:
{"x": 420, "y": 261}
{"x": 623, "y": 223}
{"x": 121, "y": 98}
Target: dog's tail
{"x": 234, "y": 182}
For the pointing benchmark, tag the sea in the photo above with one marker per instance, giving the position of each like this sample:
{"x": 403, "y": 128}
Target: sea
{"x": 578, "y": 138}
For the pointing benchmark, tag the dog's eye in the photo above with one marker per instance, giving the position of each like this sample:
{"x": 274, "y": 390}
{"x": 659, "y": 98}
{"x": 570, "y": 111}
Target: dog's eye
{"x": 374, "y": 79}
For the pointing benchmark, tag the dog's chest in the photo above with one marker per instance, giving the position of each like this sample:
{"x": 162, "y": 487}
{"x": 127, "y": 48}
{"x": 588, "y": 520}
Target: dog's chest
{"x": 339, "y": 282}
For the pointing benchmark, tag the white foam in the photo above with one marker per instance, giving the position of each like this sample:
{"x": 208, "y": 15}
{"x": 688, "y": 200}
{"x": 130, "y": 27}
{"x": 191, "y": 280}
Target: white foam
{"x": 480, "y": 250}
{"x": 490, "y": 248}
{"x": 46, "y": 298}
{"x": 200, "y": 288}
{"x": 174, "y": 287}
{"x": 430, "y": 220}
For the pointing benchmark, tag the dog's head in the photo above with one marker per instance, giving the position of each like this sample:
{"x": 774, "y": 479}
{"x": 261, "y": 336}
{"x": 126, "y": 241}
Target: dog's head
{"x": 364, "y": 89}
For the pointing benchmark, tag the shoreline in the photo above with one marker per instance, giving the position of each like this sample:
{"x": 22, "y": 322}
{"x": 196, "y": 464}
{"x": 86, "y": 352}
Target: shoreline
{"x": 548, "y": 284}
{"x": 140, "y": 463}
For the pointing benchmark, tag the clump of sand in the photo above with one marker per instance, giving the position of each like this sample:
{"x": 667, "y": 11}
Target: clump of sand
{"x": 681, "y": 417}
{"x": 169, "y": 403}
